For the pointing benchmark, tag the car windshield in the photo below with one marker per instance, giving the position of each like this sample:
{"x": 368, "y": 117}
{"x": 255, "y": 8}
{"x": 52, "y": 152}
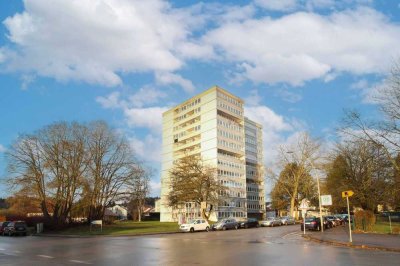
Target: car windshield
{"x": 309, "y": 219}
{"x": 20, "y": 224}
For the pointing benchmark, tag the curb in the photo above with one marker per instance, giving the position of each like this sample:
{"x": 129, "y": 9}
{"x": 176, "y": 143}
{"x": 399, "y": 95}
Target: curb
{"x": 349, "y": 245}
{"x": 94, "y": 236}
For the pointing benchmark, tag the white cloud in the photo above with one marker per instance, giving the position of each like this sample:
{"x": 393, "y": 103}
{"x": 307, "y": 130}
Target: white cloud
{"x": 369, "y": 92}
{"x": 299, "y": 47}
{"x": 155, "y": 187}
{"x": 146, "y": 96}
{"x": 149, "y": 117}
{"x": 167, "y": 78}
{"x": 111, "y": 101}
{"x": 268, "y": 118}
{"x": 148, "y": 148}
{"x": 2, "y": 148}
{"x": 253, "y": 99}
{"x": 95, "y": 40}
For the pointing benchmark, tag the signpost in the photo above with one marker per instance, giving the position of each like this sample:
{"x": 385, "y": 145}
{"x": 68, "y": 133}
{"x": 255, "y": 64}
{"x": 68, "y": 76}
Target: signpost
{"x": 97, "y": 222}
{"x": 304, "y": 206}
{"x": 326, "y": 200}
{"x": 347, "y": 194}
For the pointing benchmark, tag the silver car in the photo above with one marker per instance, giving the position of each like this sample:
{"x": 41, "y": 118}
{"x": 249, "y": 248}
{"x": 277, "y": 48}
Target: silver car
{"x": 288, "y": 220}
{"x": 271, "y": 221}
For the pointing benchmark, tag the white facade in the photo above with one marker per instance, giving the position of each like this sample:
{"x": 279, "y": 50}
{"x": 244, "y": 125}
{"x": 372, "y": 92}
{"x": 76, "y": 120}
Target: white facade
{"x": 211, "y": 125}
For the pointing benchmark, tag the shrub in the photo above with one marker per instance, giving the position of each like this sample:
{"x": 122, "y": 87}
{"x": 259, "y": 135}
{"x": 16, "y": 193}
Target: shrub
{"x": 364, "y": 220}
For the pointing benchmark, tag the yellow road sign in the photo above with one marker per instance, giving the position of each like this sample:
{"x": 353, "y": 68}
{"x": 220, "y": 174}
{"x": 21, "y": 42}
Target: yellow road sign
{"x": 347, "y": 193}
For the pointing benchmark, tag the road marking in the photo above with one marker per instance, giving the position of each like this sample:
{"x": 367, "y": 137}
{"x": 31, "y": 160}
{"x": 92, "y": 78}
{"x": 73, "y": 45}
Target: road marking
{"x": 291, "y": 234}
{"x": 45, "y": 256}
{"x": 80, "y": 261}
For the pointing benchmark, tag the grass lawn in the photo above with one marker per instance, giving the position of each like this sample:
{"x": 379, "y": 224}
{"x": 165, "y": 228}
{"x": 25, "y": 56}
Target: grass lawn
{"x": 384, "y": 228}
{"x": 121, "y": 228}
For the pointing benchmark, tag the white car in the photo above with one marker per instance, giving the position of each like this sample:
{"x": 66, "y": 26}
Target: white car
{"x": 271, "y": 221}
{"x": 195, "y": 225}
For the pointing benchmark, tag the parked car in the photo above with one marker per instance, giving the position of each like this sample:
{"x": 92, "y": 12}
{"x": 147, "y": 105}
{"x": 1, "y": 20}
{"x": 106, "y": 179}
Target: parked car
{"x": 271, "y": 221}
{"x": 288, "y": 220}
{"x": 2, "y": 226}
{"x": 195, "y": 225}
{"x": 250, "y": 222}
{"x": 314, "y": 223}
{"x": 225, "y": 224}
{"x": 334, "y": 220}
{"x": 16, "y": 228}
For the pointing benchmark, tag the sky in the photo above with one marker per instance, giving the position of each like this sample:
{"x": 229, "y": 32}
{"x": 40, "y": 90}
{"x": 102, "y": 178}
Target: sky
{"x": 298, "y": 64}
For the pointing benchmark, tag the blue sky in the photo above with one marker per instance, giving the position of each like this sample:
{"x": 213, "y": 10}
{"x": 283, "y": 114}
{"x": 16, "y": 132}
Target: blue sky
{"x": 297, "y": 63}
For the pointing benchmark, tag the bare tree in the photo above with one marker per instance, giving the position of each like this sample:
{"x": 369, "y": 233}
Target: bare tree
{"x": 50, "y": 164}
{"x": 111, "y": 166}
{"x": 363, "y": 167}
{"x": 301, "y": 157}
{"x": 138, "y": 189}
{"x": 194, "y": 181}
{"x": 386, "y": 131}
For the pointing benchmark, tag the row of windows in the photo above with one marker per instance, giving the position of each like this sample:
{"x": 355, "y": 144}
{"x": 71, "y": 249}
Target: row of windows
{"x": 230, "y": 145}
{"x": 230, "y": 164}
{"x": 251, "y": 172}
{"x": 229, "y": 135}
{"x": 231, "y": 193}
{"x": 258, "y": 198}
{"x": 229, "y": 99}
{"x": 189, "y": 105}
{"x": 230, "y": 125}
{"x": 231, "y": 214}
{"x": 183, "y": 125}
{"x": 253, "y": 189}
{"x": 255, "y": 206}
{"x": 228, "y": 155}
{"x": 230, "y": 109}
{"x": 238, "y": 204}
{"x": 183, "y": 133}
{"x": 181, "y": 117}
{"x": 234, "y": 184}
{"x": 228, "y": 173}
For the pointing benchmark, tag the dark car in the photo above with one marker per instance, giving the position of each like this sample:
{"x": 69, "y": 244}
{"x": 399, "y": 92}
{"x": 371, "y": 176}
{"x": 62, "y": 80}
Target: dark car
{"x": 2, "y": 226}
{"x": 314, "y": 224}
{"x": 16, "y": 228}
{"x": 250, "y": 222}
{"x": 225, "y": 224}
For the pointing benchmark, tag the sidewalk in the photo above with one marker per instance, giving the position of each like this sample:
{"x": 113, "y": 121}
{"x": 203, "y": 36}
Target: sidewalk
{"x": 339, "y": 236}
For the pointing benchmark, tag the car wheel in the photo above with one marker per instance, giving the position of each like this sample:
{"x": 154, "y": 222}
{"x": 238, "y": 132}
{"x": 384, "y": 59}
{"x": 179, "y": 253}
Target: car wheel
{"x": 223, "y": 228}
{"x": 207, "y": 229}
{"x": 191, "y": 230}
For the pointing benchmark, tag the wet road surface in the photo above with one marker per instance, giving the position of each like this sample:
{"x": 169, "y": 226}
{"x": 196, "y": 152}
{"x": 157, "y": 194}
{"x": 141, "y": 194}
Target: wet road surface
{"x": 259, "y": 246}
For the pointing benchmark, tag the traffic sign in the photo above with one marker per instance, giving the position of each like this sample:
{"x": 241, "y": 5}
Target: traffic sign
{"x": 347, "y": 193}
{"x": 305, "y": 204}
{"x": 326, "y": 200}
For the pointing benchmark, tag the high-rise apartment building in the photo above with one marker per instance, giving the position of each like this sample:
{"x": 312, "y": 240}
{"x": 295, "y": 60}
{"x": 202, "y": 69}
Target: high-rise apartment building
{"x": 212, "y": 125}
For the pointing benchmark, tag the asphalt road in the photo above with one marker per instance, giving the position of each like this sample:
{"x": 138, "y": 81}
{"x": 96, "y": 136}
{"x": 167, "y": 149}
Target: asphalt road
{"x": 258, "y": 246}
